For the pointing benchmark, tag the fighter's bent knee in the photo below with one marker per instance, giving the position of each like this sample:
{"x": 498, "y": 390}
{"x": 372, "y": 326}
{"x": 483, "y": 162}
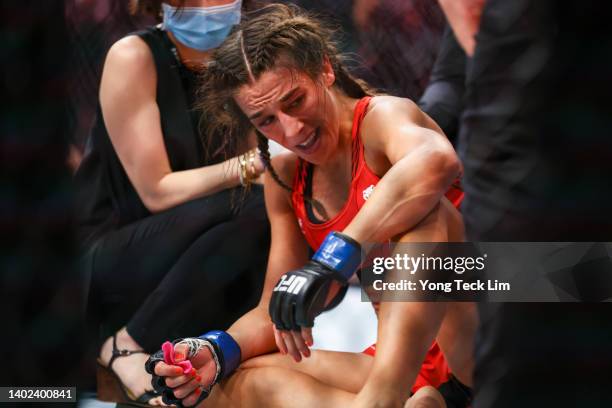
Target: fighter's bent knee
{"x": 426, "y": 397}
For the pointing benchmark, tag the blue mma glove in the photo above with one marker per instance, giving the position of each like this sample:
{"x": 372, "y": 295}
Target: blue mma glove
{"x": 300, "y": 295}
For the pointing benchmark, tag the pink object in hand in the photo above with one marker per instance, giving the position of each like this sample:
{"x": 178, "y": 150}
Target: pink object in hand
{"x": 168, "y": 349}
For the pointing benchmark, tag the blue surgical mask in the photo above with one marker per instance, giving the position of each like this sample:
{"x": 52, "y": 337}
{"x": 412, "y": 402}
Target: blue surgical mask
{"x": 201, "y": 28}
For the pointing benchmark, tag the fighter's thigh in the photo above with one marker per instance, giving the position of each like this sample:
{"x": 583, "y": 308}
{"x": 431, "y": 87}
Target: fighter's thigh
{"x": 243, "y": 389}
{"x": 453, "y": 220}
{"x": 275, "y": 387}
{"x": 347, "y": 371}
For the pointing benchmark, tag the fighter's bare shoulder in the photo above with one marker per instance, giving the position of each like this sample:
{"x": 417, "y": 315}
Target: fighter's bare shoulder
{"x": 388, "y": 119}
{"x": 284, "y": 164}
{"x": 387, "y": 111}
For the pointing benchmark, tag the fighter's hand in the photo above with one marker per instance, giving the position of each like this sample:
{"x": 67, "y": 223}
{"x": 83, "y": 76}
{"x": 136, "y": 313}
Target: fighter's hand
{"x": 301, "y": 295}
{"x": 297, "y": 343}
{"x": 294, "y": 343}
{"x": 184, "y": 374}
{"x": 187, "y": 387}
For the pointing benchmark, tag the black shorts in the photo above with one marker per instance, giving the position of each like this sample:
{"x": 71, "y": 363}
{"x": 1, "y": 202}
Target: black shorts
{"x": 455, "y": 393}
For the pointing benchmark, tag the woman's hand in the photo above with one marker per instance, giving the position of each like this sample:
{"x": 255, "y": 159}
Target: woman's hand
{"x": 188, "y": 386}
{"x": 293, "y": 342}
{"x": 298, "y": 343}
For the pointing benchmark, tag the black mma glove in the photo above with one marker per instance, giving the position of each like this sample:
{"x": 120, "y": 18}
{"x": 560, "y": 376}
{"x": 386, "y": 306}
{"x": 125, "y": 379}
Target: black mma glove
{"x": 300, "y": 295}
{"x": 224, "y": 350}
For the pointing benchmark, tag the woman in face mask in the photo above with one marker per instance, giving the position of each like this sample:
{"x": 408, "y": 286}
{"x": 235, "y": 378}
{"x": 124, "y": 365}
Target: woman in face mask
{"x": 160, "y": 205}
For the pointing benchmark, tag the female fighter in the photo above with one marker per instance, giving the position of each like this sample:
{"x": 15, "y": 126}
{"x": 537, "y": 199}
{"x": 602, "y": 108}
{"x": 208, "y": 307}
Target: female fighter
{"x": 361, "y": 169}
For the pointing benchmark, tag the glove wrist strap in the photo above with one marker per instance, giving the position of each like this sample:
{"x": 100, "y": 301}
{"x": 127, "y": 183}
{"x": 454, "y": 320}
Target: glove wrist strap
{"x": 340, "y": 253}
{"x": 225, "y": 351}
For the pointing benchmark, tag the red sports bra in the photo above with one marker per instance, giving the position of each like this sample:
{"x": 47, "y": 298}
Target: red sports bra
{"x": 363, "y": 182}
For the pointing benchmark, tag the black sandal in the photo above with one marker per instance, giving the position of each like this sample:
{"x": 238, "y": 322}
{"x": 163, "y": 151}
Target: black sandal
{"x": 112, "y": 389}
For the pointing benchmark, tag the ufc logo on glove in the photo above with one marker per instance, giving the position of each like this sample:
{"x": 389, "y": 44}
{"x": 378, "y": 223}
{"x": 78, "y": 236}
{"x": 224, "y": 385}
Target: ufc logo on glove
{"x": 301, "y": 295}
{"x": 293, "y": 284}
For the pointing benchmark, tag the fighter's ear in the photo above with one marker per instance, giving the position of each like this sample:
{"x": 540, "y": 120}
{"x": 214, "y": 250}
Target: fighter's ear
{"x": 327, "y": 73}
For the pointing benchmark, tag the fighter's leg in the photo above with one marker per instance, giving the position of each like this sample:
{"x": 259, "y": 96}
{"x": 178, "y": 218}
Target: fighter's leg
{"x": 411, "y": 323}
{"x": 340, "y": 372}
{"x": 327, "y": 378}
{"x": 275, "y": 387}
{"x": 346, "y": 371}
{"x": 458, "y": 328}
{"x": 456, "y": 339}
{"x": 426, "y": 397}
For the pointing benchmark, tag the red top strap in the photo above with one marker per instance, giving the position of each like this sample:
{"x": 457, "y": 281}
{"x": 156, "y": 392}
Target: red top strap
{"x": 360, "y": 111}
{"x": 362, "y": 184}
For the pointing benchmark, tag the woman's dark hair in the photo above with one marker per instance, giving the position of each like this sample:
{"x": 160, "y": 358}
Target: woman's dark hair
{"x": 146, "y": 7}
{"x": 153, "y": 7}
{"x": 255, "y": 46}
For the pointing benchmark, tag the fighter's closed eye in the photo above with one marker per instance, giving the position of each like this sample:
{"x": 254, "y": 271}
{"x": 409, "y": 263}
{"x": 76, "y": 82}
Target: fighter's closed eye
{"x": 297, "y": 102}
{"x": 266, "y": 121}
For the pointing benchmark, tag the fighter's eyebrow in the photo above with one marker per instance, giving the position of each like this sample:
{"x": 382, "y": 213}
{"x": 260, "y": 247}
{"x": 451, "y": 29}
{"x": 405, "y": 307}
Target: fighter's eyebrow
{"x": 283, "y": 98}
{"x": 255, "y": 115}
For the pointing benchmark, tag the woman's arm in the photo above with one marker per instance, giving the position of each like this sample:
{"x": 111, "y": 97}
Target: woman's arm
{"x": 131, "y": 115}
{"x": 254, "y": 331}
{"x": 418, "y": 163}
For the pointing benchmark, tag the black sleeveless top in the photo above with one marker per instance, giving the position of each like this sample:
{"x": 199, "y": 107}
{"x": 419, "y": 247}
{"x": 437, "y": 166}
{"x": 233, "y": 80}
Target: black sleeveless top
{"x": 106, "y": 199}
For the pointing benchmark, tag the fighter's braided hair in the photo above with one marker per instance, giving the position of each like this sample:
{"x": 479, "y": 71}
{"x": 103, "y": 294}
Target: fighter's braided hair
{"x": 273, "y": 35}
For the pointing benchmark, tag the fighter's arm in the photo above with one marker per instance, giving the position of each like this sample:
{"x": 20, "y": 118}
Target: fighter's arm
{"x": 131, "y": 115}
{"x": 418, "y": 162}
{"x": 289, "y": 250}
{"x": 253, "y": 334}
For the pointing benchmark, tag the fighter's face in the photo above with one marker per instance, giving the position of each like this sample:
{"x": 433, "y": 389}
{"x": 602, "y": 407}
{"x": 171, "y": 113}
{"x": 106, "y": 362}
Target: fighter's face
{"x": 294, "y": 110}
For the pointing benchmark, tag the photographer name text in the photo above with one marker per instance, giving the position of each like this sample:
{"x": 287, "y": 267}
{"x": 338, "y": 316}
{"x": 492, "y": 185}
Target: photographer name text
{"x": 457, "y": 285}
